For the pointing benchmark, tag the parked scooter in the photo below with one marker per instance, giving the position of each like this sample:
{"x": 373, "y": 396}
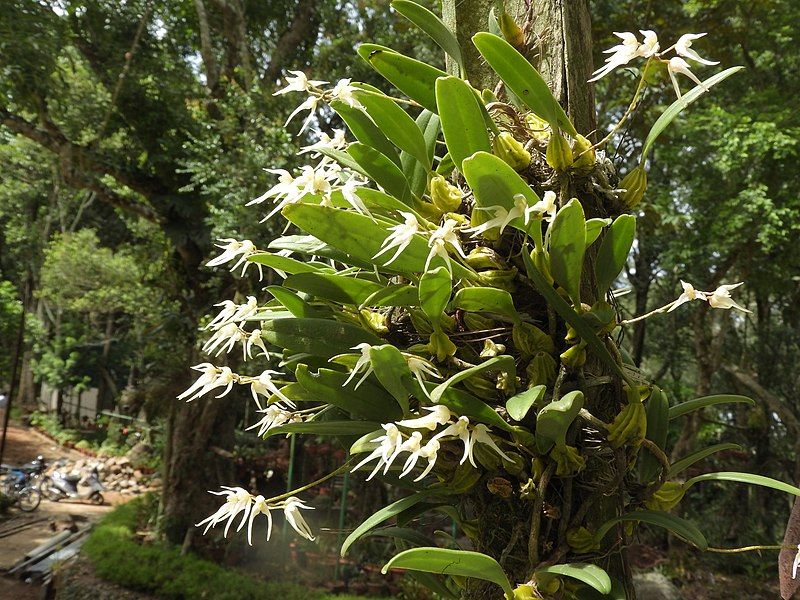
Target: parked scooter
{"x": 59, "y": 485}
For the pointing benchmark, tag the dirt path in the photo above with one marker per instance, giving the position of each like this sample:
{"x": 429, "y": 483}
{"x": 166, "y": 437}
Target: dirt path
{"x": 25, "y": 443}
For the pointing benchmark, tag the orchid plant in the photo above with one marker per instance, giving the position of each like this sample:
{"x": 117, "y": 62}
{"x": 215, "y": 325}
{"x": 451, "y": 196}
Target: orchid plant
{"x": 446, "y": 313}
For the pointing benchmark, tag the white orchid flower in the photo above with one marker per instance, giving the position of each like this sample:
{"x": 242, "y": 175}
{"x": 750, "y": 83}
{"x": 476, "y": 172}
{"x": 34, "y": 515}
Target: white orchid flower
{"x": 400, "y": 237}
{"x": 233, "y": 249}
{"x": 689, "y": 294}
{"x": 237, "y": 500}
{"x": 721, "y": 298}
{"x": 683, "y": 47}
{"x": 446, "y": 234}
{"x": 274, "y": 416}
{"x": 677, "y": 65}
{"x": 649, "y": 46}
{"x": 428, "y": 451}
{"x": 246, "y": 310}
{"x": 229, "y": 309}
{"x": 349, "y": 194}
{"x": 388, "y": 449}
{"x": 459, "y": 429}
{"x": 298, "y": 82}
{"x": 310, "y": 104}
{"x": 796, "y": 563}
{"x": 291, "y": 510}
{"x": 503, "y": 217}
{"x": 259, "y": 507}
{"x": 212, "y": 378}
{"x": 621, "y": 54}
{"x": 439, "y": 415}
{"x": 286, "y": 186}
{"x": 264, "y": 386}
{"x": 326, "y": 142}
{"x": 343, "y": 92}
{"x": 480, "y": 435}
{"x": 363, "y": 363}
{"x": 419, "y": 367}
{"x": 254, "y": 340}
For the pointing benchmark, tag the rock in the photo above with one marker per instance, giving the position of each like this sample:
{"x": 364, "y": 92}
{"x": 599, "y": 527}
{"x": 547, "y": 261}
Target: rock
{"x": 655, "y": 586}
{"x": 140, "y": 453}
{"x": 137, "y": 474}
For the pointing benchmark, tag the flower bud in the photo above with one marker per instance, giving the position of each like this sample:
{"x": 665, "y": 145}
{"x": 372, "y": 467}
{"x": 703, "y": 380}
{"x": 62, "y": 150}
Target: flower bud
{"x": 499, "y": 278}
{"x": 374, "y": 320}
{"x": 485, "y": 258}
{"x": 667, "y": 496}
{"x": 581, "y": 540}
{"x": 440, "y": 346}
{"x": 541, "y": 370}
{"x": 568, "y": 460}
{"x": 559, "y": 154}
{"x": 525, "y": 592}
{"x": 542, "y": 262}
{"x": 539, "y": 129}
{"x": 634, "y": 184}
{"x": 490, "y": 349}
{"x": 574, "y": 357}
{"x": 584, "y": 156}
{"x": 510, "y": 30}
{"x": 445, "y": 196}
{"x": 530, "y": 340}
{"x": 476, "y": 322}
{"x": 511, "y": 151}
{"x": 506, "y": 383}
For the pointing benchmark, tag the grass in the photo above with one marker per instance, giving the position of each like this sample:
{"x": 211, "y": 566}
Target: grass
{"x": 161, "y": 570}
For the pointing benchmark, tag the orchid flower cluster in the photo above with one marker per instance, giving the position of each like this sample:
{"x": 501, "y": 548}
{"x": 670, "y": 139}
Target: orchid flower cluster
{"x": 239, "y": 501}
{"x": 649, "y": 48}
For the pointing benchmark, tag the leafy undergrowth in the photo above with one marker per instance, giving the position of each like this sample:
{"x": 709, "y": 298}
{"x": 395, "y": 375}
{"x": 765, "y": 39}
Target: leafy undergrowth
{"x": 161, "y": 570}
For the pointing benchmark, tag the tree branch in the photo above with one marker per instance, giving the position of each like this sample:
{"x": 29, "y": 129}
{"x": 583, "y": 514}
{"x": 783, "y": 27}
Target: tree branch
{"x": 301, "y": 28}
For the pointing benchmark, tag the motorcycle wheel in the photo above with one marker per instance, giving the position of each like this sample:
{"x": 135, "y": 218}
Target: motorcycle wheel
{"x": 29, "y": 499}
{"x": 49, "y": 491}
{"x": 97, "y": 499}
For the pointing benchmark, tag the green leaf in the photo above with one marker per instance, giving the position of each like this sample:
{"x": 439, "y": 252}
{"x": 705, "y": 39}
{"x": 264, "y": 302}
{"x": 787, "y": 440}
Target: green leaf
{"x": 445, "y": 561}
{"x": 567, "y": 247}
{"x": 396, "y": 124}
{"x": 745, "y": 478}
{"x": 403, "y": 533}
{"x": 283, "y": 263}
{"x": 567, "y": 313}
{"x": 344, "y": 159}
{"x": 657, "y": 430}
{"x": 396, "y": 294}
{"x": 325, "y": 428}
{"x": 494, "y": 183}
{"x": 462, "y": 120}
{"x": 464, "y": 403}
{"x": 680, "y": 527}
{"x": 412, "y": 77}
{"x": 336, "y": 288}
{"x": 295, "y": 304}
{"x": 591, "y": 575}
{"x": 384, "y": 514}
{"x": 676, "y": 107}
{"x": 435, "y": 287}
{"x": 368, "y": 401}
{"x": 392, "y": 371}
{"x": 686, "y": 407}
{"x": 593, "y": 229}
{"x": 381, "y": 170}
{"x": 519, "y": 405}
{"x": 309, "y": 245}
{"x": 555, "y": 419}
{"x": 498, "y": 363}
{"x": 320, "y": 337}
{"x": 613, "y": 252}
{"x": 687, "y": 461}
{"x": 486, "y": 300}
{"x": 522, "y": 79}
{"x": 366, "y": 130}
{"x": 433, "y": 26}
{"x": 415, "y": 171}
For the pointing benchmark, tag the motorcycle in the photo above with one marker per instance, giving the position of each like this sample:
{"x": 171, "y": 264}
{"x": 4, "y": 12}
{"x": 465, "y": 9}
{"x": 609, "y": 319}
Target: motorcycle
{"x": 59, "y": 485}
{"x": 18, "y": 484}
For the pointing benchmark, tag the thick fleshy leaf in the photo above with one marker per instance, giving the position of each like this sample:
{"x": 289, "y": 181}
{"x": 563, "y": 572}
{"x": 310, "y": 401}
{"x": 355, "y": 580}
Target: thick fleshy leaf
{"x": 368, "y": 401}
{"x": 680, "y": 527}
{"x": 555, "y": 419}
{"x": 748, "y": 478}
{"x": 498, "y": 363}
{"x": 594, "y": 228}
{"x": 433, "y": 26}
{"x": 283, "y": 263}
{"x": 337, "y": 288}
{"x": 614, "y": 250}
{"x": 319, "y": 337}
{"x": 657, "y": 430}
{"x": 464, "y": 403}
{"x": 344, "y": 159}
{"x": 325, "y": 428}
{"x": 494, "y": 183}
{"x": 396, "y": 294}
{"x": 519, "y": 405}
{"x": 567, "y": 247}
{"x": 395, "y": 123}
{"x": 381, "y": 170}
{"x": 687, "y": 461}
{"x": 392, "y": 371}
{"x": 412, "y": 77}
{"x": 522, "y": 79}
{"x": 676, "y": 107}
{"x": 567, "y": 313}
{"x": 366, "y": 131}
{"x": 445, "y": 561}
{"x": 311, "y": 246}
{"x": 461, "y": 118}
{"x": 412, "y": 536}
{"x": 486, "y": 300}
{"x": 384, "y": 514}
{"x": 435, "y": 287}
{"x": 295, "y": 304}
{"x": 415, "y": 171}
{"x": 591, "y": 575}
{"x": 686, "y": 407}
